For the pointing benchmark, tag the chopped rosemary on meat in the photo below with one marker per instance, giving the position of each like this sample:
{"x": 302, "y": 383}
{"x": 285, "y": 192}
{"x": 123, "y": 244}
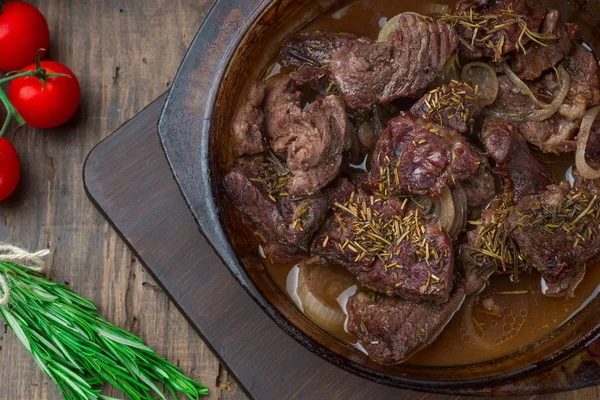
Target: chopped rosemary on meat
{"x": 569, "y": 216}
{"x": 447, "y": 98}
{"x": 377, "y": 238}
{"x": 276, "y": 182}
{"x": 495, "y": 247}
{"x": 483, "y": 28}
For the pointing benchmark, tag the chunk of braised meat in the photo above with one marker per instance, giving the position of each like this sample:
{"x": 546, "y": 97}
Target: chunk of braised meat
{"x": 540, "y": 58}
{"x": 310, "y": 54}
{"x": 555, "y": 134}
{"x": 409, "y": 61}
{"x": 311, "y": 141}
{"x": 451, "y": 105}
{"x": 391, "y": 328}
{"x": 511, "y": 100}
{"x": 313, "y": 77}
{"x": 492, "y": 28}
{"x": 315, "y": 48}
{"x": 489, "y": 247}
{"x": 557, "y": 233}
{"x": 256, "y": 186}
{"x": 514, "y": 159}
{"x": 584, "y": 92}
{"x": 387, "y": 246}
{"x": 480, "y": 188}
{"x": 592, "y": 150}
{"x": 414, "y": 158}
{"x": 248, "y": 123}
{"x": 590, "y": 185}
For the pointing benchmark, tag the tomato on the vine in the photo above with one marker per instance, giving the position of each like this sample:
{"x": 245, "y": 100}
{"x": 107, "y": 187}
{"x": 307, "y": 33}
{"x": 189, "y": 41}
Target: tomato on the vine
{"x": 23, "y": 32}
{"x": 10, "y": 169}
{"x": 46, "y": 102}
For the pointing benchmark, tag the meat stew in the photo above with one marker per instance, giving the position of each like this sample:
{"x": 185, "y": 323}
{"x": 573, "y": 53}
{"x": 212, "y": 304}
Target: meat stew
{"x": 431, "y": 173}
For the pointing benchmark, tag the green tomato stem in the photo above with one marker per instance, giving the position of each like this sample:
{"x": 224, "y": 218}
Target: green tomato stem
{"x": 20, "y": 75}
{"x": 11, "y": 113}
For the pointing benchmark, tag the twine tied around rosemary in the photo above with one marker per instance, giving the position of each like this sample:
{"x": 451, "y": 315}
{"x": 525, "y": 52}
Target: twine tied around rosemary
{"x": 34, "y": 261}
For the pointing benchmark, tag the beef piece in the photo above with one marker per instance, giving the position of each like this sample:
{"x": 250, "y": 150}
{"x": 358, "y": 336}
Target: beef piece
{"x": 584, "y": 92}
{"x": 590, "y": 185}
{"x": 248, "y": 123}
{"x": 592, "y": 150}
{"x": 311, "y": 141}
{"x": 539, "y": 57}
{"x": 557, "y": 233}
{"x": 315, "y": 48}
{"x": 480, "y": 188}
{"x": 418, "y": 159}
{"x": 391, "y": 328}
{"x": 310, "y": 53}
{"x": 382, "y": 244}
{"x": 255, "y": 186}
{"x": 450, "y": 105}
{"x": 362, "y": 72}
{"x": 582, "y": 66}
{"x": 413, "y": 56}
{"x": 510, "y": 99}
{"x": 554, "y": 135}
{"x": 489, "y": 247}
{"x": 313, "y": 77}
{"x": 513, "y": 157}
{"x": 498, "y": 41}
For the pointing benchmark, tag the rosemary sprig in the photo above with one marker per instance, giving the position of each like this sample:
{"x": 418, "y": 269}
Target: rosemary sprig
{"x": 74, "y": 345}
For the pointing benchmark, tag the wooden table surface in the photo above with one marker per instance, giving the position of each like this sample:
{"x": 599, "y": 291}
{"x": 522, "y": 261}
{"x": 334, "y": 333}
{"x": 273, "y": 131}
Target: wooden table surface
{"x": 125, "y": 53}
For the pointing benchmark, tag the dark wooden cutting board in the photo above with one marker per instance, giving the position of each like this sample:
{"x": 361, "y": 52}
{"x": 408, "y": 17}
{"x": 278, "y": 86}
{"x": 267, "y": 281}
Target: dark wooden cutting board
{"x": 128, "y": 178}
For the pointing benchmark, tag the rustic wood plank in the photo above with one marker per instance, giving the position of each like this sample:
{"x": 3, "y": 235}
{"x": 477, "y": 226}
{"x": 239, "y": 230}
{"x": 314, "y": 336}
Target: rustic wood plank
{"x": 125, "y": 54}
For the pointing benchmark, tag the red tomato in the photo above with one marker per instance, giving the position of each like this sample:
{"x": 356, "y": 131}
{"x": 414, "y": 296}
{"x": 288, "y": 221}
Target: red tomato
{"x": 23, "y": 32}
{"x": 10, "y": 169}
{"x": 49, "y": 105}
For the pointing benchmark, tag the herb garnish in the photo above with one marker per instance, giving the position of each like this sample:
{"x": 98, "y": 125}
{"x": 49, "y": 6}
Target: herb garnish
{"x": 375, "y": 236}
{"x": 275, "y": 177}
{"x": 495, "y": 249}
{"x": 484, "y": 29}
{"x": 568, "y": 216}
{"x": 448, "y": 99}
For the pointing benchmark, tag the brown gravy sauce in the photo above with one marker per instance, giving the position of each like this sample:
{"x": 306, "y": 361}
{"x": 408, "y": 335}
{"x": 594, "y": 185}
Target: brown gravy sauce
{"x": 507, "y": 316}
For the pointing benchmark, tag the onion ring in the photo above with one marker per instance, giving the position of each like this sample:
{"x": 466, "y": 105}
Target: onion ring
{"x": 490, "y": 89}
{"x": 584, "y": 135}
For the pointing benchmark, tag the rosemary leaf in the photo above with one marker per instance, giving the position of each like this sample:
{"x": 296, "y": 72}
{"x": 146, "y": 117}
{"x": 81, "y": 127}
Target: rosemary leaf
{"x": 80, "y": 350}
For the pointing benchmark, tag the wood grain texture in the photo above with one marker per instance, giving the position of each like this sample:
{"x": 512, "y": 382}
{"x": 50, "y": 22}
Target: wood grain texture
{"x": 125, "y": 53}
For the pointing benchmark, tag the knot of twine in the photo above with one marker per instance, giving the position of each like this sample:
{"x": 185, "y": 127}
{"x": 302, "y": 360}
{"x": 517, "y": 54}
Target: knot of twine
{"x": 33, "y": 261}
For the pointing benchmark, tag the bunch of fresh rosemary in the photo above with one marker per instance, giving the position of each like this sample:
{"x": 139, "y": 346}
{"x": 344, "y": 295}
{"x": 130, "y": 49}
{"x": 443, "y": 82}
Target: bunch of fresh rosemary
{"x": 80, "y": 350}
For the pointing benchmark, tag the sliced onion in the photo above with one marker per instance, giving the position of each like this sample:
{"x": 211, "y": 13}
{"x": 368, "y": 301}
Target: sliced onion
{"x": 318, "y": 287}
{"x": 460, "y": 211}
{"x": 584, "y": 135}
{"x": 392, "y": 25}
{"x": 366, "y": 136}
{"x": 451, "y": 210}
{"x": 447, "y": 210}
{"x": 544, "y": 113}
{"x": 488, "y": 89}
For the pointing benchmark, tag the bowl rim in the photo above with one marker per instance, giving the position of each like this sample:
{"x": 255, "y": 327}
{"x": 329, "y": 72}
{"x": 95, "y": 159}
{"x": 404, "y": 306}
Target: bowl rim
{"x": 208, "y": 57}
